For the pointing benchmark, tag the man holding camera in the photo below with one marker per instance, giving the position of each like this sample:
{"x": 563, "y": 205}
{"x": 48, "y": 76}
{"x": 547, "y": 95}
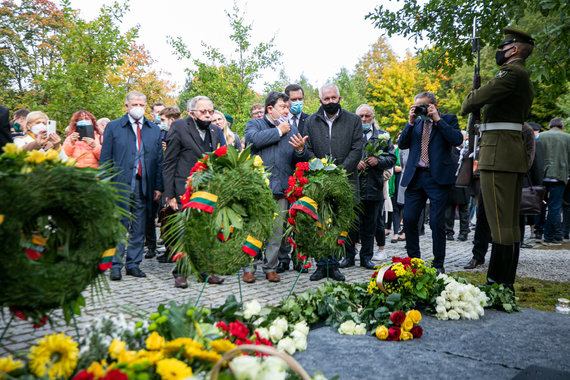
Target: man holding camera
{"x": 429, "y": 172}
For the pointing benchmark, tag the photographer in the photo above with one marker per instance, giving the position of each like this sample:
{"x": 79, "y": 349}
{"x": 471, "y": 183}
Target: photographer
{"x": 429, "y": 172}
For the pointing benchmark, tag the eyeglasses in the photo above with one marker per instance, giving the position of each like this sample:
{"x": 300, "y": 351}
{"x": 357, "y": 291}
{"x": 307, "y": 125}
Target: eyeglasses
{"x": 260, "y": 112}
{"x": 203, "y": 112}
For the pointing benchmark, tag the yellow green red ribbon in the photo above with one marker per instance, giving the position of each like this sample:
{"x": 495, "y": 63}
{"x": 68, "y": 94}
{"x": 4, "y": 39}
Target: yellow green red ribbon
{"x": 252, "y": 246}
{"x": 202, "y": 200}
{"x": 307, "y": 205}
{"x": 106, "y": 260}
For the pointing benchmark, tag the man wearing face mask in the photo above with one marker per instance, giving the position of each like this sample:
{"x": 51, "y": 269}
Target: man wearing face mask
{"x": 275, "y": 141}
{"x": 505, "y": 103}
{"x": 132, "y": 149}
{"x": 429, "y": 173}
{"x": 296, "y": 115}
{"x": 186, "y": 142}
{"x": 335, "y": 132}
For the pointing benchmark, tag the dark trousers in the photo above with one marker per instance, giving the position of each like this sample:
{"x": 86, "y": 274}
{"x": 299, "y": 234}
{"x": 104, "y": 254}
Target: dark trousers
{"x": 566, "y": 211}
{"x": 421, "y": 187}
{"x": 396, "y": 215}
{"x": 136, "y": 229}
{"x": 552, "y": 229}
{"x": 380, "y": 232}
{"x": 482, "y": 237}
{"x": 463, "y": 219}
{"x": 367, "y": 216}
{"x": 150, "y": 233}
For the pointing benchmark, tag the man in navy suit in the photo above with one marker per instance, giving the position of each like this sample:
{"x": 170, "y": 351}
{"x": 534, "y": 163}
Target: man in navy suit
{"x": 429, "y": 173}
{"x": 133, "y": 150}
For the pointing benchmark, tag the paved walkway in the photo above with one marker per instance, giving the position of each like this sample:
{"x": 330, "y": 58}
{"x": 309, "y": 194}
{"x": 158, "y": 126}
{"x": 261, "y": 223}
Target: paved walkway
{"x": 145, "y": 294}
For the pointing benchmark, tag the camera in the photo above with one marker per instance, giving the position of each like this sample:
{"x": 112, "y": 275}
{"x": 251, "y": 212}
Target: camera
{"x": 421, "y": 109}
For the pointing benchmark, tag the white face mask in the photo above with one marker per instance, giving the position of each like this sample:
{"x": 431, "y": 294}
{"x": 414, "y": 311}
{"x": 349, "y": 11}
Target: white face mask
{"x": 36, "y": 129}
{"x": 136, "y": 112}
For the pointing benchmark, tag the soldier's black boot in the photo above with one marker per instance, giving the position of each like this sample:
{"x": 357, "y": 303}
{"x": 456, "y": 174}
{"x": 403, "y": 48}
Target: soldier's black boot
{"x": 495, "y": 271}
{"x": 511, "y": 262}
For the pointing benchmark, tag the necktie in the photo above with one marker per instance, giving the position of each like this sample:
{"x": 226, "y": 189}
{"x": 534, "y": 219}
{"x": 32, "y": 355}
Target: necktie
{"x": 139, "y": 143}
{"x": 425, "y": 141}
{"x": 295, "y": 121}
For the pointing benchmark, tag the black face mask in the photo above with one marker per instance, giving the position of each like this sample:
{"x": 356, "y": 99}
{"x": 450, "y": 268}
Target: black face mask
{"x": 202, "y": 124}
{"x": 500, "y": 56}
{"x": 331, "y": 108}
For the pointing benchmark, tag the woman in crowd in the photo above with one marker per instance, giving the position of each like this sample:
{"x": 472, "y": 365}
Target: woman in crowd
{"x": 394, "y": 187}
{"x": 231, "y": 137}
{"x": 84, "y": 150}
{"x": 35, "y": 135}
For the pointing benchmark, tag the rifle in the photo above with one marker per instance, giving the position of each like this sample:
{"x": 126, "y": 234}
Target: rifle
{"x": 465, "y": 169}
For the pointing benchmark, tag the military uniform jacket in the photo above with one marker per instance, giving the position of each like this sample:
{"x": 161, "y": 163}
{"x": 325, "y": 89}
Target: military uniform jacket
{"x": 506, "y": 98}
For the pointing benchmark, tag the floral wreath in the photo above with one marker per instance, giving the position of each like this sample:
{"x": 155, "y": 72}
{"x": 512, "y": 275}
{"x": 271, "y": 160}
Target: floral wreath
{"x": 225, "y": 188}
{"x": 322, "y": 209}
{"x": 58, "y": 224}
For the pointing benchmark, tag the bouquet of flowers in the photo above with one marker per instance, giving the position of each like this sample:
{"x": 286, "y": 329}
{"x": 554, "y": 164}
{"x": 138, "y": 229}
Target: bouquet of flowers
{"x": 409, "y": 277}
{"x": 402, "y": 326}
{"x": 375, "y": 148}
{"x": 459, "y": 300}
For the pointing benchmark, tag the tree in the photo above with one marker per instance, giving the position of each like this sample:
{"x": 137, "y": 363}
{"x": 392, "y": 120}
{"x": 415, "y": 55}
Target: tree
{"x": 228, "y": 80}
{"x": 448, "y": 25}
{"x": 352, "y": 88}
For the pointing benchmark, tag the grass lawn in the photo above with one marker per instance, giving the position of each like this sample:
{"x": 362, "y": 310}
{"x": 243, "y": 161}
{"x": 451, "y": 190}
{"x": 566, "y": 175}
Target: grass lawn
{"x": 532, "y": 293}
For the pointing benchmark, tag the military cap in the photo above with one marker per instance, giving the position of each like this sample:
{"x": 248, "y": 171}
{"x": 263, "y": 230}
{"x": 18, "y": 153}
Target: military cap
{"x": 535, "y": 126}
{"x": 513, "y": 35}
{"x": 229, "y": 118}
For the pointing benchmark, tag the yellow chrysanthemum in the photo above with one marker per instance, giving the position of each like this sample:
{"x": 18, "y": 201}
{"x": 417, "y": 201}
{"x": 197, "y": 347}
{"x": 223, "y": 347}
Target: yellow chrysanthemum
{"x": 173, "y": 369}
{"x": 324, "y": 160}
{"x": 417, "y": 261}
{"x": 221, "y": 345}
{"x": 116, "y": 347}
{"x": 382, "y": 332}
{"x": 55, "y": 355}
{"x": 127, "y": 357}
{"x": 175, "y": 345}
{"x": 52, "y": 155}
{"x": 96, "y": 369}
{"x": 191, "y": 353}
{"x": 407, "y": 324}
{"x": 154, "y": 342}
{"x": 267, "y": 181}
{"x": 414, "y": 315}
{"x": 148, "y": 356}
{"x": 258, "y": 161}
{"x": 406, "y": 335}
{"x": 8, "y": 364}
{"x": 11, "y": 148}
{"x": 35, "y": 157}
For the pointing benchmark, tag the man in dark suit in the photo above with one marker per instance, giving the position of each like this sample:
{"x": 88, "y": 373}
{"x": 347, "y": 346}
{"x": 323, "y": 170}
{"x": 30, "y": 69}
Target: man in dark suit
{"x": 430, "y": 171}
{"x": 132, "y": 148}
{"x": 187, "y": 141}
{"x": 334, "y": 132}
{"x": 5, "y": 136}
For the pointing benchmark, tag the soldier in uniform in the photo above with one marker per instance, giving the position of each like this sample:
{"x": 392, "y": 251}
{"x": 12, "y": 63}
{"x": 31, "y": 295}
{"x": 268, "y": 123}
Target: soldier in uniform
{"x": 505, "y": 102}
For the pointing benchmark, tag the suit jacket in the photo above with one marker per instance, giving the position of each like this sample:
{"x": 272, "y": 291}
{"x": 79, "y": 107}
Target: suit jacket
{"x": 119, "y": 150}
{"x": 183, "y": 148}
{"x": 345, "y": 144}
{"x": 5, "y": 135}
{"x": 445, "y": 135}
{"x": 458, "y": 195}
{"x": 301, "y": 125}
{"x": 372, "y": 179}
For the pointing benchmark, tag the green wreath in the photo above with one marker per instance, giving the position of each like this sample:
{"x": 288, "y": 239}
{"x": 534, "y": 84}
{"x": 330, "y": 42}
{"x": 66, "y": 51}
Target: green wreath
{"x": 322, "y": 209}
{"x": 227, "y": 213}
{"x": 56, "y": 223}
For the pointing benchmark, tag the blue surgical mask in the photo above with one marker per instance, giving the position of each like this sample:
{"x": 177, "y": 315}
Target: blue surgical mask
{"x": 164, "y": 126}
{"x": 83, "y": 123}
{"x": 296, "y": 107}
{"x": 157, "y": 119}
{"x": 366, "y": 127}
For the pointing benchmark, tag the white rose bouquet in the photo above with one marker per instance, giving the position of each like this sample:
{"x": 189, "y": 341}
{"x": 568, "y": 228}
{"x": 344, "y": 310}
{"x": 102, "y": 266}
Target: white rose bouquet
{"x": 459, "y": 300}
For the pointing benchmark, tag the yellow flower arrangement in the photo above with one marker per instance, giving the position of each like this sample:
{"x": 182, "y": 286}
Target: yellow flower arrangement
{"x": 172, "y": 347}
{"x": 192, "y": 353}
{"x": 97, "y": 369}
{"x": 407, "y": 324}
{"x": 11, "y": 148}
{"x": 54, "y": 355}
{"x": 414, "y": 315}
{"x": 406, "y": 335}
{"x": 382, "y": 332}
{"x": 52, "y": 155}
{"x": 258, "y": 161}
{"x": 221, "y": 345}
{"x": 154, "y": 342}
{"x": 35, "y": 157}
{"x": 8, "y": 365}
{"x": 173, "y": 369}
{"x": 148, "y": 356}
{"x": 127, "y": 357}
{"x": 116, "y": 347}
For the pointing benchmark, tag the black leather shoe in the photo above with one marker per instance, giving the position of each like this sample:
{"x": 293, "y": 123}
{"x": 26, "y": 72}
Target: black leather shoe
{"x": 462, "y": 237}
{"x": 282, "y": 267}
{"x": 473, "y": 264}
{"x": 135, "y": 272}
{"x": 299, "y": 268}
{"x": 450, "y": 238}
{"x": 524, "y": 245}
{"x": 116, "y": 274}
{"x": 150, "y": 254}
{"x": 366, "y": 264}
{"x": 346, "y": 263}
{"x": 440, "y": 270}
{"x": 319, "y": 274}
{"x": 162, "y": 258}
{"x": 336, "y": 275}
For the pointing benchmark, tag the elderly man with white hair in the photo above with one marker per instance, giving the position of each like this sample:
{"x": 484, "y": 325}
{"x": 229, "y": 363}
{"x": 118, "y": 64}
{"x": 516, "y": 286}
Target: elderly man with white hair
{"x": 333, "y": 131}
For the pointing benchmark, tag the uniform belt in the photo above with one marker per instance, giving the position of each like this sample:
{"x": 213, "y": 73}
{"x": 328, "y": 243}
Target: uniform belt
{"x": 500, "y": 127}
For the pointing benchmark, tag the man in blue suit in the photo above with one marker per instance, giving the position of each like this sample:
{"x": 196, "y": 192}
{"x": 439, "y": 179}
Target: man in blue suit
{"x": 429, "y": 173}
{"x": 132, "y": 149}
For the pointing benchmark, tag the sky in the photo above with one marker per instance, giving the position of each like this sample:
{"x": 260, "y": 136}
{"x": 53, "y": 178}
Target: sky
{"x": 317, "y": 38}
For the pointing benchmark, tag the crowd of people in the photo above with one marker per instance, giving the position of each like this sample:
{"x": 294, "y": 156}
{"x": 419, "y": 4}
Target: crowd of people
{"x": 399, "y": 184}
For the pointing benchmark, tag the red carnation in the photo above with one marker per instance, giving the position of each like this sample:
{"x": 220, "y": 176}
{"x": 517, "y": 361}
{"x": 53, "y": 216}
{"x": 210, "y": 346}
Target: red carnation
{"x": 221, "y": 151}
{"x": 396, "y": 259}
{"x": 83, "y": 375}
{"x": 414, "y": 270}
{"x": 389, "y": 275}
{"x": 43, "y": 321}
{"x": 303, "y": 181}
{"x": 417, "y": 331}
{"x": 222, "y": 325}
{"x": 291, "y": 221}
{"x": 293, "y": 212}
{"x": 398, "y": 317}
{"x": 406, "y": 260}
{"x": 298, "y": 191}
{"x": 339, "y": 241}
{"x": 115, "y": 374}
{"x": 292, "y": 181}
{"x": 239, "y": 330}
{"x": 374, "y": 274}
{"x": 394, "y": 333}
{"x": 299, "y": 173}
{"x": 307, "y": 266}
{"x": 303, "y": 165}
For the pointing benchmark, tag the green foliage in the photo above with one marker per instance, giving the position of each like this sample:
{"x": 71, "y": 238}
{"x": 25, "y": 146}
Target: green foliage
{"x": 173, "y": 321}
{"x": 227, "y": 80}
{"x": 501, "y": 298}
{"x": 352, "y": 87}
